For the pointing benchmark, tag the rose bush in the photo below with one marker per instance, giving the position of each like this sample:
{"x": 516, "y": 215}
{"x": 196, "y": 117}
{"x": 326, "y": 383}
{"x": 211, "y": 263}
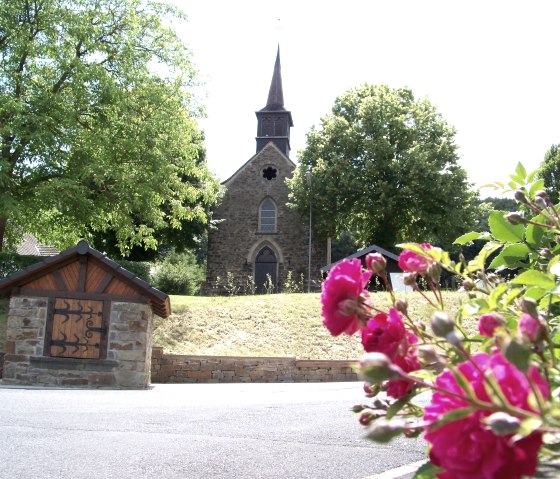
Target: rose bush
{"x": 492, "y": 408}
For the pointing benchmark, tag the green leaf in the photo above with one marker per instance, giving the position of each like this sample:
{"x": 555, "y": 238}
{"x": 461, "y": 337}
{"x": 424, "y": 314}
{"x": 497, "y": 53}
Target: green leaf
{"x": 512, "y": 295}
{"x": 412, "y": 247}
{"x": 452, "y": 416}
{"x": 502, "y": 230}
{"x": 475, "y": 306}
{"x": 394, "y": 408}
{"x": 427, "y": 471}
{"x": 535, "y": 278}
{"x": 535, "y": 292}
{"x": 536, "y": 186}
{"x": 520, "y": 171}
{"x": 534, "y": 233}
{"x": 554, "y": 266}
{"x": 480, "y": 260}
{"x": 496, "y": 294}
{"x": 528, "y": 426}
{"x": 518, "y": 179}
{"x": 470, "y": 237}
{"x": 532, "y": 175}
{"x": 518, "y": 354}
{"x": 511, "y": 256}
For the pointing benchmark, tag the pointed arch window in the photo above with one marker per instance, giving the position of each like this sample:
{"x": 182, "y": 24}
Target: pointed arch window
{"x": 267, "y": 216}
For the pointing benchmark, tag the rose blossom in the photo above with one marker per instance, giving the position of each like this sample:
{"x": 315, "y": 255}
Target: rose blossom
{"x": 411, "y": 262}
{"x": 531, "y": 328}
{"x": 488, "y": 323}
{"x": 385, "y": 333}
{"x": 344, "y": 285}
{"x": 466, "y": 448}
{"x": 397, "y": 388}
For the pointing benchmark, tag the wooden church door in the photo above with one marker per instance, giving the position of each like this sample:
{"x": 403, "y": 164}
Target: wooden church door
{"x": 265, "y": 266}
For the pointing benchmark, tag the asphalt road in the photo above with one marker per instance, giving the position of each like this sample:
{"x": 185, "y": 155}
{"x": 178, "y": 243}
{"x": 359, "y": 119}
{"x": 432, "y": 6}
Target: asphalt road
{"x": 198, "y": 431}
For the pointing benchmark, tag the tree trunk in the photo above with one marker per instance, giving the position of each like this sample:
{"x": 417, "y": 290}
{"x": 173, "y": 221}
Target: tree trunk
{"x": 3, "y": 223}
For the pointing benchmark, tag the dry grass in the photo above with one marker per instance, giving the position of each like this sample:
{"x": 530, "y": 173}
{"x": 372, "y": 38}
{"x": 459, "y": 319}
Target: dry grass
{"x": 266, "y": 325}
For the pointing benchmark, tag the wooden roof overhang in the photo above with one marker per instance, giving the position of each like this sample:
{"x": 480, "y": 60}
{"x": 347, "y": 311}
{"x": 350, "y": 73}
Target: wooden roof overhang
{"x": 83, "y": 272}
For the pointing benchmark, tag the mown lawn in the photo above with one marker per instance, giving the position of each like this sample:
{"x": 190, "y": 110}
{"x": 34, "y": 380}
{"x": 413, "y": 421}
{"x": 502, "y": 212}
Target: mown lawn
{"x": 265, "y": 325}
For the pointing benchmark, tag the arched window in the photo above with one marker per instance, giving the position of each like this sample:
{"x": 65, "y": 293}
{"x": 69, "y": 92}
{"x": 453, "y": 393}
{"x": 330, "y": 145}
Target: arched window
{"x": 267, "y": 216}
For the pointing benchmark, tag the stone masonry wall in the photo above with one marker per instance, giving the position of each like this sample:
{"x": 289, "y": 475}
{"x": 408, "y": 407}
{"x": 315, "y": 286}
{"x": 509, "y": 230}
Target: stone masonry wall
{"x": 128, "y": 350}
{"x": 171, "y": 368}
{"x": 130, "y": 344}
{"x": 233, "y": 247}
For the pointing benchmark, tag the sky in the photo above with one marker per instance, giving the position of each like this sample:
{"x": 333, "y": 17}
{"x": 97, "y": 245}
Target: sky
{"x": 490, "y": 67}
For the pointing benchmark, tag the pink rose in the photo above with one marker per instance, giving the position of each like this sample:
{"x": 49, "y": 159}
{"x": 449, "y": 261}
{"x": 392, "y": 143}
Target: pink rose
{"x": 411, "y": 262}
{"x": 397, "y": 388}
{"x": 466, "y": 448}
{"x": 385, "y": 333}
{"x": 488, "y": 323}
{"x": 531, "y": 328}
{"x": 343, "y": 287}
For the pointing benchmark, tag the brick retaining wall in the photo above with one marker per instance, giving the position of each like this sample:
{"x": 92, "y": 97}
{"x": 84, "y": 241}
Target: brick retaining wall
{"x": 174, "y": 368}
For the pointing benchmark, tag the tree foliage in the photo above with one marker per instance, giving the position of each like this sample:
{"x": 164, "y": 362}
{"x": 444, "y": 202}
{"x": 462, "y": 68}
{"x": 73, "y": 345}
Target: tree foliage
{"x": 550, "y": 172}
{"x": 384, "y": 165}
{"x": 98, "y": 129}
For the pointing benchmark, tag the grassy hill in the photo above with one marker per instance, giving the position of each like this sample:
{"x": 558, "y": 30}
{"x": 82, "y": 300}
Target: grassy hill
{"x": 264, "y": 325}
{"x": 260, "y": 325}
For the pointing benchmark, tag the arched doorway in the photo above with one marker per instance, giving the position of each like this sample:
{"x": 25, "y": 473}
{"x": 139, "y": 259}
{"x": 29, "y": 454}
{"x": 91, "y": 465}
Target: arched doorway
{"x": 265, "y": 264}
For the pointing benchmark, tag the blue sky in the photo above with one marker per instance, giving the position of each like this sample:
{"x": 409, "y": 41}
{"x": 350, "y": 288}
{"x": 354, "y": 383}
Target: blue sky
{"x": 490, "y": 67}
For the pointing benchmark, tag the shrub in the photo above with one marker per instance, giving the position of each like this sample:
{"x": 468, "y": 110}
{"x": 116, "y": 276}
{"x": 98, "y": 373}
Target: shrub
{"x": 179, "y": 274}
{"x": 495, "y": 392}
{"x": 142, "y": 269}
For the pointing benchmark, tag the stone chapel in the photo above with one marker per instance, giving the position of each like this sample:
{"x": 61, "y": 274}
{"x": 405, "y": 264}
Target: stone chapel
{"x": 258, "y": 240}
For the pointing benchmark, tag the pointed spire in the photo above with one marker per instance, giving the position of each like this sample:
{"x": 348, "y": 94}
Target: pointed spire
{"x": 275, "y": 95}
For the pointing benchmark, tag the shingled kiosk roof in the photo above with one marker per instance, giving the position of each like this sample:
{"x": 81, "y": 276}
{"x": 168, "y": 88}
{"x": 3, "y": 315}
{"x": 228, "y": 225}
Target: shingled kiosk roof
{"x": 112, "y": 273}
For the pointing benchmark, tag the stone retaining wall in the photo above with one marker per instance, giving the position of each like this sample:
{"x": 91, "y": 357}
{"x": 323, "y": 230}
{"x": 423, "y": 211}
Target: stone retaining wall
{"x": 1, "y": 364}
{"x": 174, "y": 368}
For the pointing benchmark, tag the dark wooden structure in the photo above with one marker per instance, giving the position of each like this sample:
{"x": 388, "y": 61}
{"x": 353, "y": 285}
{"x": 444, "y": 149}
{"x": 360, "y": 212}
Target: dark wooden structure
{"x": 79, "y": 305}
{"x": 392, "y": 263}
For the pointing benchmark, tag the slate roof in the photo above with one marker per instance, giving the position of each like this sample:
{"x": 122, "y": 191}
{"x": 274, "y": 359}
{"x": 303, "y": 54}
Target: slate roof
{"x": 31, "y": 247}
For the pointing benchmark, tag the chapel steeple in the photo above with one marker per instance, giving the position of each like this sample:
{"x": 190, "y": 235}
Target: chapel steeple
{"x": 274, "y": 121}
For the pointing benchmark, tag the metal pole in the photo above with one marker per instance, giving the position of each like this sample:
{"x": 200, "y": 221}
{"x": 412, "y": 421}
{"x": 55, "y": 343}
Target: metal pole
{"x": 308, "y": 175}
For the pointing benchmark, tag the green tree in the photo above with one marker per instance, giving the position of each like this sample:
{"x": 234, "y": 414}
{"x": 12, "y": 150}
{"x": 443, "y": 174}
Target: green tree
{"x": 550, "y": 172}
{"x": 384, "y": 165}
{"x": 98, "y": 129}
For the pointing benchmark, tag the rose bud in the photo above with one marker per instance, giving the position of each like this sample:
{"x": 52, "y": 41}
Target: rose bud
{"x": 383, "y": 431}
{"x": 442, "y": 324}
{"x": 503, "y": 424}
{"x": 487, "y": 324}
{"x": 515, "y": 218}
{"x": 376, "y": 263}
{"x": 520, "y": 196}
{"x": 401, "y": 306}
{"x": 529, "y": 306}
{"x": 376, "y": 367}
{"x": 531, "y": 328}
